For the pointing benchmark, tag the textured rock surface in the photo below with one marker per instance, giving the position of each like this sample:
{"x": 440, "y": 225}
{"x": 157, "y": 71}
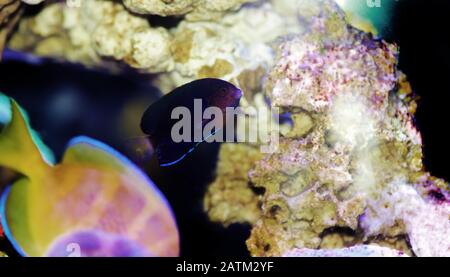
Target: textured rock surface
{"x": 235, "y": 46}
{"x": 229, "y": 198}
{"x": 10, "y": 12}
{"x": 95, "y": 32}
{"x": 355, "y": 251}
{"x": 209, "y": 38}
{"x": 350, "y": 170}
{"x": 425, "y": 218}
{"x": 193, "y": 9}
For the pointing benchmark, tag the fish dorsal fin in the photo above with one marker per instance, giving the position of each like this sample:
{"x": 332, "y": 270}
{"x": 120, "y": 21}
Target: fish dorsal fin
{"x": 90, "y": 152}
{"x": 86, "y": 151}
{"x": 18, "y": 150}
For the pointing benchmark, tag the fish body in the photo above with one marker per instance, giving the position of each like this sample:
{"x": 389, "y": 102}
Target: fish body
{"x": 94, "y": 203}
{"x": 158, "y": 122}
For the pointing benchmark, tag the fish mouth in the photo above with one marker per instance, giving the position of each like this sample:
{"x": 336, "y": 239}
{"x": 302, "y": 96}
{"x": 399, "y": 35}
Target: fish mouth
{"x": 239, "y": 93}
{"x": 236, "y": 92}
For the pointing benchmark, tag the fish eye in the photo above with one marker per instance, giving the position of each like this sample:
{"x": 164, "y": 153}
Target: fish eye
{"x": 223, "y": 90}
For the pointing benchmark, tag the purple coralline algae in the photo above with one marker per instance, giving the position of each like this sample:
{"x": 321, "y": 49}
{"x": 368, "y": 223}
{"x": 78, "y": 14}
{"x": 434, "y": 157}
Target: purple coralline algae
{"x": 349, "y": 173}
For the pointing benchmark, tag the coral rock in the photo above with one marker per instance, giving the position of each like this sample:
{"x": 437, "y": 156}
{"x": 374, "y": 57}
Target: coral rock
{"x": 93, "y": 34}
{"x": 235, "y": 46}
{"x": 350, "y": 170}
{"x": 230, "y": 199}
{"x": 426, "y": 222}
{"x": 10, "y": 12}
{"x": 355, "y": 251}
{"x": 193, "y": 9}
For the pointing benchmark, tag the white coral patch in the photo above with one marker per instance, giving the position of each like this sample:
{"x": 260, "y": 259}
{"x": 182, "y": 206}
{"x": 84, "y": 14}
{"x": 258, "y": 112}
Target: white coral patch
{"x": 351, "y": 120}
{"x": 355, "y": 251}
{"x": 150, "y": 50}
{"x": 427, "y": 224}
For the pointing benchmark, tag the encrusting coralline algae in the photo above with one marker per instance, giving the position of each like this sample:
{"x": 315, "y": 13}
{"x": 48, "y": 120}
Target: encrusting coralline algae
{"x": 355, "y": 175}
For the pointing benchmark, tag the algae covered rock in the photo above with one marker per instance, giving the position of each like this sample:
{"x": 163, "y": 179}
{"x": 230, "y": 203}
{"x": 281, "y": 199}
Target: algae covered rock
{"x": 192, "y": 9}
{"x": 230, "y": 198}
{"x": 355, "y": 251}
{"x": 10, "y": 12}
{"x": 349, "y": 172}
{"x": 233, "y": 43}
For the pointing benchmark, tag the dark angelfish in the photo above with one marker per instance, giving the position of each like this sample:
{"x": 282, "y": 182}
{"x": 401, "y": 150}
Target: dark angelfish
{"x": 160, "y": 119}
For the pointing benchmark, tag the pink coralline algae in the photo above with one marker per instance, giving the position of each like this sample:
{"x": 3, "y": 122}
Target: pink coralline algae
{"x": 349, "y": 173}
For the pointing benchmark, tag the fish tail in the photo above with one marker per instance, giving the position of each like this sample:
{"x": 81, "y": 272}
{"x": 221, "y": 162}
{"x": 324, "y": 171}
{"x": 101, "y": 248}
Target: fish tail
{"x": 18, "y": 150}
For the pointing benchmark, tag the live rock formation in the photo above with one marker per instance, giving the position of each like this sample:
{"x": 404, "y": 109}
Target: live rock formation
{"x": 230, "y": 199}
{"x": 355, "y": 251}
{"x": 350, "y": 171}
{"x": 233, "y": 45}
{"x": 193, "y": 9}
{"x": 9, "y": 15}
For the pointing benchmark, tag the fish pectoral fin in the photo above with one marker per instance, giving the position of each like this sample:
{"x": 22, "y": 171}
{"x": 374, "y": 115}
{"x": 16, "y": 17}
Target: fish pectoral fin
{"x": 170, "y": 153}
{"x": 15, "y": 219}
